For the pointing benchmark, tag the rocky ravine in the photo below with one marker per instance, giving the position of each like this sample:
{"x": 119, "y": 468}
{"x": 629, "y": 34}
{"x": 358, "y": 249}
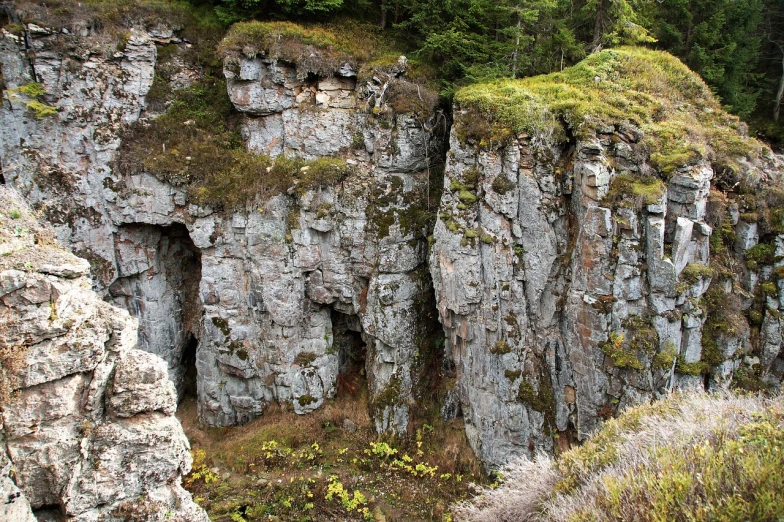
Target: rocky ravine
{"x": 559, "y": 307}
{"x": 88, "y": 426}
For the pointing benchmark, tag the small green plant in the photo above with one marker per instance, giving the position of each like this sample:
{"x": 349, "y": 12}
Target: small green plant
{"x": 200, "y": 470}
{"x": 487, "y": 239}
{"x": 693, "y": 272}
{"x": 29, "y": 94}
{"x": 351, "y": 502}
{"x": 621, "y": 356}
{"x": 466, "y": 197}
{"x": 501, "y": 184}
{"x": 15, "y": 214}
{"x": 501, "y": 347}
{"x": 381, "y": 450}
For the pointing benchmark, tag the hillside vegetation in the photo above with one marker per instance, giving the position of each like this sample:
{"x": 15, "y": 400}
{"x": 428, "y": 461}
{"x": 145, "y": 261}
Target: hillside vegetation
{"x": 688, "y": 457}
{"x": 328, "y": 465}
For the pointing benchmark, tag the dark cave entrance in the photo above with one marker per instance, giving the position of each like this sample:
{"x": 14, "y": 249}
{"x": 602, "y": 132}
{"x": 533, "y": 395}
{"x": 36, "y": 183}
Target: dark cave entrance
{"x": 351, "y": 351}
{"x": 159, "y": 273}
{"x": 189, "y": 363}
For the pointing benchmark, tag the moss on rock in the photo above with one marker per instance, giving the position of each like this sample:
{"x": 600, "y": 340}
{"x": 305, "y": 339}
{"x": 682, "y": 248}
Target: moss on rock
{"x": 681, "y": 119}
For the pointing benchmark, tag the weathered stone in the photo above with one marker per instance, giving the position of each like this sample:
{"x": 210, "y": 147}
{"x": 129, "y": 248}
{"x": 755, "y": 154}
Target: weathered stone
{"x": 770, "y": 340}
{"x": 746, "y": 236}
{"x": 141, "y": 384}
{"x": 66, "y": 450}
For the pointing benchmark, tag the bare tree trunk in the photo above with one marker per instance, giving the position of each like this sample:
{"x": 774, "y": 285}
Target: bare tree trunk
{"x": 598, "y": 27}
{"x": 383, "y": 23}
{"x": 516, "y": 52}
{"x": 780, "y": 91}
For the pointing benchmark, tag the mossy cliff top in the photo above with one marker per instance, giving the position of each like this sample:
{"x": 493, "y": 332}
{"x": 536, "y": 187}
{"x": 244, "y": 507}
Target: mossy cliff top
{"x": 682, "y": 121}
{"x": 322, "y": 49}
{"x": 105, "y": 16}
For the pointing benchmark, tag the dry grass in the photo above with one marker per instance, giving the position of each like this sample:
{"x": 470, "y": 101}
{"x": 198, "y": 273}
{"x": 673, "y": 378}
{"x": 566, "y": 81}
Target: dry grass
{"x": 101, "y": 15}
{"x": 317, "y": 49}
{"x": 689, "y": 457}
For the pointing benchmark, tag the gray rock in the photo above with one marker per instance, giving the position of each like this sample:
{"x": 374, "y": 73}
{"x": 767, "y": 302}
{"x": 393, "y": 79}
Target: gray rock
{"x": 141, "y": 384}
{"x": 65, "y": 448}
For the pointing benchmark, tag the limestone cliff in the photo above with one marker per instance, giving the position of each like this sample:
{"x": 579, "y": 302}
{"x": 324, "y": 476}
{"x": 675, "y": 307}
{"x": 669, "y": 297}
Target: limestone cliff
{"x": 88, "y": 427}
{"x": 596, "y": 242}
{"x": 581, "y": 264}
{"x": 280, "y": 295}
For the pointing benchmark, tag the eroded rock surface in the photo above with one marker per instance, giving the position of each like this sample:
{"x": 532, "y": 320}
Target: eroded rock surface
{"x": 562, "y": 299}
{"x": 562, "y": 305}
{"x": 259, "y": 289}
{"x": 88, "y": 426}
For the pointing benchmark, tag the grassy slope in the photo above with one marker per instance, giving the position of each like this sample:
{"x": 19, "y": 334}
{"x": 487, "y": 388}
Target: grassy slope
{"x": 689, "y": 457}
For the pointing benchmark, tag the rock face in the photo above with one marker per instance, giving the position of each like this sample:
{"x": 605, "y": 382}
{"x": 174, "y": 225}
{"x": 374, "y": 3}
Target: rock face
{"x": 562, "y": 306}
{"x": 279, "y": 298}
{"x": 87, "y": 419}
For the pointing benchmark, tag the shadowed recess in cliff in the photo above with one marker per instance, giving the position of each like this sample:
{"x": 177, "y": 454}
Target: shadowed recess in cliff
{"x": 351, "y": 350}
{"x": 159, "y": 270}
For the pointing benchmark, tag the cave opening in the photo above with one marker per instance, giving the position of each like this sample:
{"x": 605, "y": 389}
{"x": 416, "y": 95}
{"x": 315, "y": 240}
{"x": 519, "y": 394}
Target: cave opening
{"x": 159, "y": 273}
{"x": 352, "y": 353}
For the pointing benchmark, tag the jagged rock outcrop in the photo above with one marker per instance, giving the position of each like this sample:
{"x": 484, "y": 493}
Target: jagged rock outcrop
{"x": 572, "y": 273}
{"x": 88, "y": 426}
{"x": 278, "y": 294}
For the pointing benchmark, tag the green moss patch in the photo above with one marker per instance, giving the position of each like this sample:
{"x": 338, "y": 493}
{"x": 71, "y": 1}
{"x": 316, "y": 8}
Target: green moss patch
{"x": 627, "y": 350}
{"x": 30, "y": 94}
{"x": 631, "y": 191}
{"x": 681, "y": 120}
{"x": 693, "y": 272}
{"x": 760, "y": 254}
